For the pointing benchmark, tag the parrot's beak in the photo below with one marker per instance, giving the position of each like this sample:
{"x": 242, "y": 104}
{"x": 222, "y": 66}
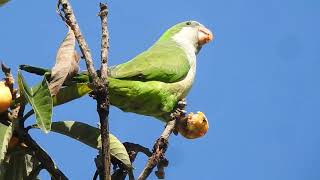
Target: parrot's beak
{"x": 204, "y": 35}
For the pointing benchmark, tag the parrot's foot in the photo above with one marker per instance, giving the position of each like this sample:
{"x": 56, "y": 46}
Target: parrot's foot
{"x": 179, "y": 113}
{"x": 182, "y": 103}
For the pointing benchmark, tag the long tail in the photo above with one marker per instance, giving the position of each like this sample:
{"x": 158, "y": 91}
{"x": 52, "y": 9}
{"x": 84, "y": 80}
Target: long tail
{"x": 79, "y": 78}
{"x": 34, "y": 70}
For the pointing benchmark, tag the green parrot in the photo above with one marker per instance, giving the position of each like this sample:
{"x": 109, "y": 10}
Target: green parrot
{"x": 153, "y": 82}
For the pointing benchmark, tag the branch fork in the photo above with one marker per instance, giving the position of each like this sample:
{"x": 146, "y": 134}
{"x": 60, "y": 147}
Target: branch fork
{"x": 99, "y": 81}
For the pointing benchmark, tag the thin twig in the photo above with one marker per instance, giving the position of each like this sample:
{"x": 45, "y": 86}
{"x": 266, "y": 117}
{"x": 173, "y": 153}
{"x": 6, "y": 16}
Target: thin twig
{"x": 9, "y": 79}
{"x": 158, "y": 151}
{"x": 100, "y": 92}
{"x": 161, "y": 145}
{"x": 70, "y": 19}
{"x": 104, "y": 40}
{"x": 42, "y": 156}
{"x": 26, "y": 116}
{"x": 133, "y": 150}
{"x": 96, "y": 174}
{"x": 99, "y": 165}
{"x": 102, "y": 95}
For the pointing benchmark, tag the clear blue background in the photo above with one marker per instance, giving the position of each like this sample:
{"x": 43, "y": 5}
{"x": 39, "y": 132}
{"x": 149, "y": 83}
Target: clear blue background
{"x": 258, "y": 83}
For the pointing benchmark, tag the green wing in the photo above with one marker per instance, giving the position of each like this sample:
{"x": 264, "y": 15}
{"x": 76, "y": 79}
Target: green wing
{"x": 164, "y": 61}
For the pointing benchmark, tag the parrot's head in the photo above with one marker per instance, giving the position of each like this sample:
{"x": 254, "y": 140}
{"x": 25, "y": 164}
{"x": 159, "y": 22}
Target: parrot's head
{"x": 189, "y": 34}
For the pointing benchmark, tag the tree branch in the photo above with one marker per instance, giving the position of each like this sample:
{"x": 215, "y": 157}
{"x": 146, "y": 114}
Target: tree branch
{"x": 34, "y": 173}
{"x": 104, "y": 40}
{"x": 133, "y": 150}
{"x": 161, "y": 145}
{"x": 70, "y": 19}
{"x": 100, "y": 92}
{"x": 26, "y": 116}
{"x": 159, "y": 149}
{"x": 102, "y": 95}
{"x": 9, "y": 79}
{"x": 42, "y": 156}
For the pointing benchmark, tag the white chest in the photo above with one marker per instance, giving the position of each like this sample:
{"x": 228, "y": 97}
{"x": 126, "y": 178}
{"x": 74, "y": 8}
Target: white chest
{"x": 183, "y": 38}
{"x": 183, "y": 86}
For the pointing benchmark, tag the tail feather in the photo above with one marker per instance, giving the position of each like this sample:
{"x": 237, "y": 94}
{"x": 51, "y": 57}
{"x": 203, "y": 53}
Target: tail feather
{"x": 34, "y": 70}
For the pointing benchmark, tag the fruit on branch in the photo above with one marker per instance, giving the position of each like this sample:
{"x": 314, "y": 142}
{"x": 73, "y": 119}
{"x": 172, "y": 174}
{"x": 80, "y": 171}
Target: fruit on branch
{"x": 5, "y": 97}
{"x": 193, "y": 126}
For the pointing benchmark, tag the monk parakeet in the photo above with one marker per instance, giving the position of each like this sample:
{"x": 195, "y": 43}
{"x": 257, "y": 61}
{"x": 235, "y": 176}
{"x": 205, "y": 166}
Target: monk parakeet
{"x": 154, "y": 81}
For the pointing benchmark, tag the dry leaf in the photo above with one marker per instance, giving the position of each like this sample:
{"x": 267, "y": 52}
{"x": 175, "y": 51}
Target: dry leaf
{"x": 67, "y": 63}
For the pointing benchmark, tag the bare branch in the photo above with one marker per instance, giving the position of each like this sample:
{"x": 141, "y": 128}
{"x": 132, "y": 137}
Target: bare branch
{"x": 96, "y": 174}
{"x": 104, "y": 40}
{"x": 133, "y": 150}
{"x": 100, "y": 92}
{"x": 42, "y": 156}
{"x": 9, "y": 79}
{"x": 26, "y": 116}
{"x": 102, "y": 95}
{"x": 161, "y": 145}
{"x": 70, "y": 19}
{"x": 159, "y": 149}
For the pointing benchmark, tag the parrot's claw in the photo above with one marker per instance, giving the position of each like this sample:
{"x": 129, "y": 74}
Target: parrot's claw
{"x": 183, "y": 112}
{"x": 182, "y": 103}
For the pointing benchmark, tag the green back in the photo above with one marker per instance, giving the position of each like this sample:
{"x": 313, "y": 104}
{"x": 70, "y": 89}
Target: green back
{"x": 165, "y": 61}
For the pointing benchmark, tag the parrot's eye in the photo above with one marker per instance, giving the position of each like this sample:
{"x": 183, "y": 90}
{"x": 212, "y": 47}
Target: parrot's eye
{"x": 188, "y": 23}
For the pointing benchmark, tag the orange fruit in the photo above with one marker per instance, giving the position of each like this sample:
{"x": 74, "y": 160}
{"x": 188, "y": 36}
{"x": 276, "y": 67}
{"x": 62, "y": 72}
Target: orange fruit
{"x": 193, "y": 126}
{"x": 5, "y": 97}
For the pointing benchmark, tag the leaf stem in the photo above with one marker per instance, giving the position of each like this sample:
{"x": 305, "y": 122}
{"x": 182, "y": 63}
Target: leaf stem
{"x": 26, "y": 116}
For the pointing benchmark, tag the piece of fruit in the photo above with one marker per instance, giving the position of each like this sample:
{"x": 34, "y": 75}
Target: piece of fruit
{"x": 193, "y": 126}
{"x": 5, "y": 97}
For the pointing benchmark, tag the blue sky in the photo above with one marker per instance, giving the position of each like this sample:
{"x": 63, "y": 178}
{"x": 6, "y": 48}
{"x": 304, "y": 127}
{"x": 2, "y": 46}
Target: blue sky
{"x": 258, "y": 83}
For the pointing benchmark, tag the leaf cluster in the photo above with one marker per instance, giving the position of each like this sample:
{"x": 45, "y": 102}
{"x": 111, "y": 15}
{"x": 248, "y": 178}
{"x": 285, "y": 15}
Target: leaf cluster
{"x": 59, "y": 86}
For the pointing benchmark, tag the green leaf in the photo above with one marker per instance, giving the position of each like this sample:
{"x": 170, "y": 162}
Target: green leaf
{"x": 5, "y": 136}
{"x": 75, "y": 89}
{"x": 40, "y": 99}
{"x": 91, "y": 136}
{"x": 66, "y": 94}
{"x": 19, "y": 166}
{"x": 71, "y": 92}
